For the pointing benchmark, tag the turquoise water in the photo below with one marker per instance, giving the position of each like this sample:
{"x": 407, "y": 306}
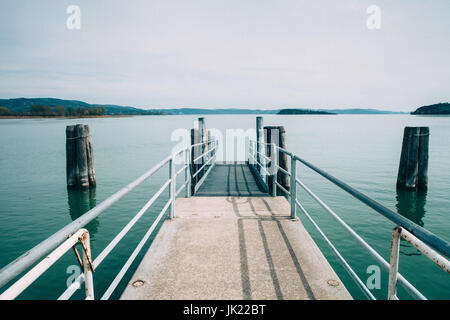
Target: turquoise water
{"x": 361, "y": 150}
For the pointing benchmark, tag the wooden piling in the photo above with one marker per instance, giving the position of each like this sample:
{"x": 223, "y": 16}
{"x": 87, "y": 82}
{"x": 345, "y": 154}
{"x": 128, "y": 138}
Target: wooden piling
{"x": 90, "y": 158}
{"x": 80, "y": 170}
{"x": 195, "y": 153}
{"x": 413, "y": 168}
{"x": 71, "y": 167}
{"x": 283, "y": 178}
{"x": 259, "y": 136}
{"x": 202, "y": 133}
{"x": 424, "y": 141}
{"x": 277, "y": 135}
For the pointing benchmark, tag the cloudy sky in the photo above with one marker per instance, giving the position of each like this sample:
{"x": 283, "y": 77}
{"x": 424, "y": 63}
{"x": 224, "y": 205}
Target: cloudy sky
{"x": 228, "y": 53}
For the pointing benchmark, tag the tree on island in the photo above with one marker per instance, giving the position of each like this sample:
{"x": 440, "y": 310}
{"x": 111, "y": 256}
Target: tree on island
{"x": 439, "y": 108}
{"x": 38, "y": 110}
{"x": 61, "y": 111}
{"x": 5, "y": 112}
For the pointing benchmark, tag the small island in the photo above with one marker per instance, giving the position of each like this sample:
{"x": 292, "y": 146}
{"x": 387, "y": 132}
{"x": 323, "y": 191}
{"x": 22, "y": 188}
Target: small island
{"x": 434, "y": 109}
{"x": 303, "y": 111}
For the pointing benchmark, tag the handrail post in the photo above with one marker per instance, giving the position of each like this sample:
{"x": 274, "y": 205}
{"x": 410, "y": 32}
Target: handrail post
{"x": 172, "y": 189}
{"x": 393, "y": 270}
{"x": 88, "y": 276}
{"x": 293, "y": 190}
{"x": 187, "y": 172}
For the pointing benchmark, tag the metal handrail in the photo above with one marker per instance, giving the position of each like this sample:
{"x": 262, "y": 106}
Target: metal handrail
{"x": 436, "y": 243}
{"x": 24, "y": 282}
{"x": 408, "y": 286}
{"x": 204, "y": 154}
{"x": 26, "y": 260}
{"x": 71, "y": 290}
{"x": 398, "y": 232}
{"x": 211, "y": 162}
{"x": 268, "y": 161}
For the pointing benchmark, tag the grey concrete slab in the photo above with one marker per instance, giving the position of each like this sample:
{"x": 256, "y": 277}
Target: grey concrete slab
{"x": 234, "y": 248}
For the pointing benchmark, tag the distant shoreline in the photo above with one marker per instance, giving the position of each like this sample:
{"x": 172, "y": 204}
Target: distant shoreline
{"x": 64, "y": 117}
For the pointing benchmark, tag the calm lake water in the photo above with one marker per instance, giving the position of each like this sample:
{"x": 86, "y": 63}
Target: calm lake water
{"x": 363, "y": 151}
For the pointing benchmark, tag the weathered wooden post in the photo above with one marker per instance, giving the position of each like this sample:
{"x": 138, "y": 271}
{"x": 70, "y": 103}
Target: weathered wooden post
{"x": 283, "y": 178}
{"x": 195, "y": 139}
{"x": 269, "y": 153}
{"x": 277, "y": 135}
{"x": 259, "y": 135}
{"x": 79, "y": 158}
{"x": 424, "y": 142}
{"x": 413, "y": 168}
{"x": 202, "y": 133}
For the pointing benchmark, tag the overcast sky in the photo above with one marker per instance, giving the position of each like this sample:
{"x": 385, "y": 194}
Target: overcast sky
{"x": 245, "y": 53}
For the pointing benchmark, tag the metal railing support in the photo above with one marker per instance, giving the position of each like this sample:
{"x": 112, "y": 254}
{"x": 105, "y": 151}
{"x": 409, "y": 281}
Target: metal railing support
{"x": 393, "y": 270}
{"x": 293, "y": 190}
{"x": 431, "y": 254}
{"x": 273, "y": 170}
{"x": 20, "y": 285}
{"x": 87, "y": 262}
{"x": 187, "y": 172}
{"x": 172, "y": 189}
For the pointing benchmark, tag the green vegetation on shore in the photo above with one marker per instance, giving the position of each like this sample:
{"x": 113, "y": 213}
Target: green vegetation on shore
{"x": 50, "y": 107}
{"x": 439, "y": 108}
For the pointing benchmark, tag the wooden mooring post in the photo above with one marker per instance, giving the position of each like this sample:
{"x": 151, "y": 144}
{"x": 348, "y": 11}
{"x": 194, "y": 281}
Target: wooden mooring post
{"x": 195, "y": 153}
{"x": 79, "y": 157}
{"x": 198, "y": 135}
{"x": 259, "y": 137}
{"x": 277, "y": 135}
{"x": 413, "y": 168}
{"x": 202, "y": 133}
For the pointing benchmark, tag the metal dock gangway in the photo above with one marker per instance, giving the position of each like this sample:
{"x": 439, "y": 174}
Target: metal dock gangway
{"x": 230, "y": 231}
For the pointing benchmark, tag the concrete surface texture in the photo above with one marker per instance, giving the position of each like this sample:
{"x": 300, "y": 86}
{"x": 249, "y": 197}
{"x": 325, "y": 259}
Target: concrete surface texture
{"x": 234, "y": 248}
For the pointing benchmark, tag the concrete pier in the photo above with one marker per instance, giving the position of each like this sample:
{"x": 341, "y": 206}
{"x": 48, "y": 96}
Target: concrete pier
{"x": 234, "y": 248}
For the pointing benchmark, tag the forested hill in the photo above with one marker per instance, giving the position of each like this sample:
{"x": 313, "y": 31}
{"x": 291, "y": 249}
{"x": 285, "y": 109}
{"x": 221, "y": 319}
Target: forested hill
{"x": 440, "y": 108}
{"x": 25, "y": 105}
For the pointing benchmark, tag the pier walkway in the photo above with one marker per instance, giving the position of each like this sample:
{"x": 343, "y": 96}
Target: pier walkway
{"x": 231, "y": 180}
{"x": 233, "y": 241}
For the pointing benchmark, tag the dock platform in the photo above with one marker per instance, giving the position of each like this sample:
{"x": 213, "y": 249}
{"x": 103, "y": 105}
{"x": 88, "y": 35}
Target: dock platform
{"x": 231, "y": 180}
{"x": 233, "y": 248}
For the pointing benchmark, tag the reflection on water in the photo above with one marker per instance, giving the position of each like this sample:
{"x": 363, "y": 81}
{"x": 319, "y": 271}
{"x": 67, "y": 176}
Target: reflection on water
{"x": 80, "y": 202}
{"x": 411, "y": 205}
